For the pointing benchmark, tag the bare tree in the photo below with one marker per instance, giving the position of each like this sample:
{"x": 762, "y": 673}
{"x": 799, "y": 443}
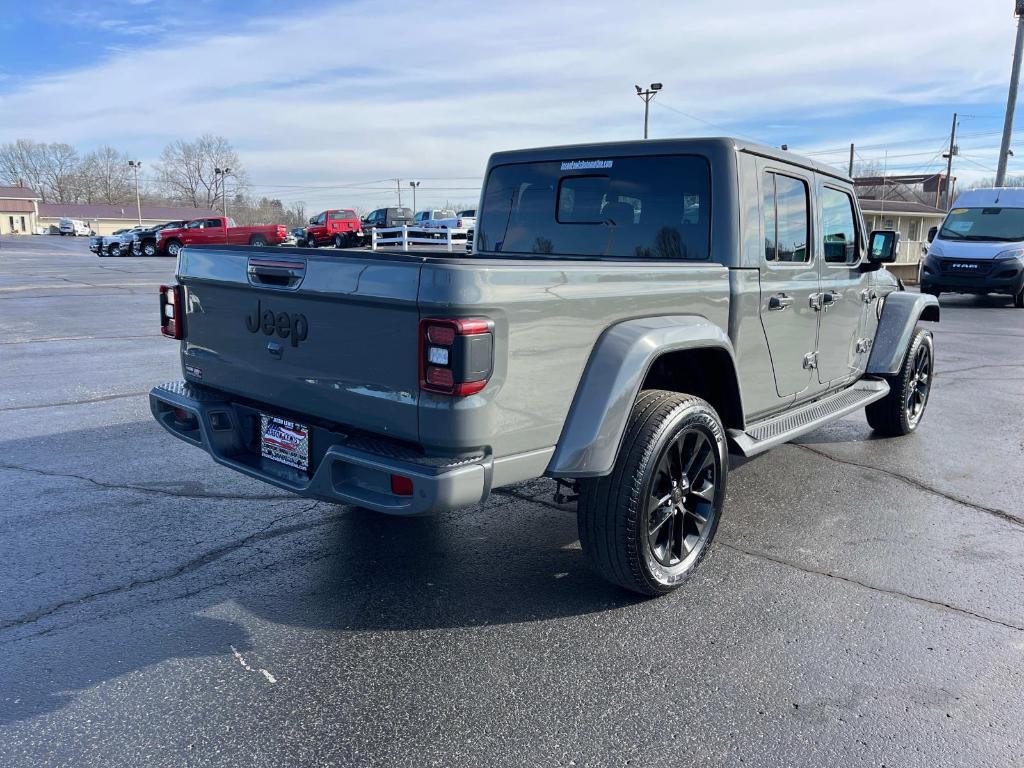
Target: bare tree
{"x": 105, "y": 177}
{"x": 50, "y": 169}
{"x": 187, "y": 170}
{"x": 1009, "y": 181}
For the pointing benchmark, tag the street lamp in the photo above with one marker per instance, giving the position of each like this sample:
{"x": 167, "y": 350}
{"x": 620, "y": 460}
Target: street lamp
{"x": 223, "y": 174}
{"x": 647, "y": 94}
{"x": 414, "y": 185}
{"x": 135, "y": 165}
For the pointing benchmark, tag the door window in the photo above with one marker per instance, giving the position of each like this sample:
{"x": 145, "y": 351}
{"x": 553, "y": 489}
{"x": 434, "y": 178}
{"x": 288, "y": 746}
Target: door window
{"x": 786, "y": 219}
{"x": 838, "y": 228}
{"x": 212, "y": 223}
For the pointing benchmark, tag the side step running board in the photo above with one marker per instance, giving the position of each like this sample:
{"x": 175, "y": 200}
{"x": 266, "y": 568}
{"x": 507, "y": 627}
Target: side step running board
{"x": 776, "y": 430}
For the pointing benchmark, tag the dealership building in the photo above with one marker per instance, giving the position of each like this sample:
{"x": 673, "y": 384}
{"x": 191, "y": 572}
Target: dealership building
{"x": 106, "y": 219}
{"x": 19, "y": 211}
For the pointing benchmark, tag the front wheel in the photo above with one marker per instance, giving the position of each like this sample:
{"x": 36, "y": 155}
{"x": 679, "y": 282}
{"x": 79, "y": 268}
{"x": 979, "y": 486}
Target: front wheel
{"x": 173, "y": 248}
{"x": 310, "y": 241}
{"x": 650, "y": 523}
{"x": 1018, "y": 298}
{"x": 115, "y": 249}
{"x": 899, "y": 412}
{"x": 149, "y": 249}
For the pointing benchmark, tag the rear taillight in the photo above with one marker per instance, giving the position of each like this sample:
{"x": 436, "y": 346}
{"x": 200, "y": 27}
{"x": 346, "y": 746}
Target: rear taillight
{"x": 172, "y": 311}
{"x": 456, "y": 355}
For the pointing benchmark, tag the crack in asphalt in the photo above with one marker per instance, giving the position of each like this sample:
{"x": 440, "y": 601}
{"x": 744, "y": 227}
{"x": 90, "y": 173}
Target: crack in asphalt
{"x": 941, "y": 371}
{"x": 46, "y": 339}
{"x": 1001, "y": 514}
{"x": 101, "y": 399}
{"x": 148, "y": 489}
{"x": 265, "y": 533}
{"x": 873, "y": 587}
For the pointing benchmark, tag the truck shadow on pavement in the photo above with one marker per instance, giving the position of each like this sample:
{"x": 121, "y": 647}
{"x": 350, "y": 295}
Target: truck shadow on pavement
{"x": 125, "y": 588}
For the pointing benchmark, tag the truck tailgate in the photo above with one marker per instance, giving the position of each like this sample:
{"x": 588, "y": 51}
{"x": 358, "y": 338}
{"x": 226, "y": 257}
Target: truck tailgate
{"x": 320, "y": 334}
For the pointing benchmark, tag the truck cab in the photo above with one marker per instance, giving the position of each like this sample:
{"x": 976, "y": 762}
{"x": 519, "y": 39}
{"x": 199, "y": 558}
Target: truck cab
{"x": 979, "y": 249}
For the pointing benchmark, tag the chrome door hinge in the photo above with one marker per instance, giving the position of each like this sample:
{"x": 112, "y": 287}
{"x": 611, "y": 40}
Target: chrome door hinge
{"x": 868, "y": 295}
{"x": 811, "y": 360}
{"x": 863, "y": 345}
{"x": 815, "y": 301}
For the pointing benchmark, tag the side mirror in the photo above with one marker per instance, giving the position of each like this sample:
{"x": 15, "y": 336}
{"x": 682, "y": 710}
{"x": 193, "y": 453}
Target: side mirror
{"x": 883, "y": 246}
{"x": 313, "y": 220}
{"x": 932, "y": 233}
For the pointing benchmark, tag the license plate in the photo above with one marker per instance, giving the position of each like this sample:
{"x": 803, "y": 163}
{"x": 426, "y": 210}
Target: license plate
{"x": 284, "y": 441}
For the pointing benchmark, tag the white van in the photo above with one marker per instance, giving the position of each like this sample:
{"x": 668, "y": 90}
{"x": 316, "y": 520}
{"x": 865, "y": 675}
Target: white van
{"x": 74, "y": 227}
{"x": 980, "y": 246}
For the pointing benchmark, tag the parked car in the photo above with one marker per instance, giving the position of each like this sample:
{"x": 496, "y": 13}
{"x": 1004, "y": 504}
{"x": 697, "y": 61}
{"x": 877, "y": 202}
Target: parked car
{"x": 385, "y": 218}
{"x": 299, "y": 233}
{"x": 338, "y": 226}
{"x": 701, "y": 311}
{"x": 74, "y": 228}
{"x": 218, "y": 231}
{"x": 144, "y": 241}
{"x": 980, "y": 247}
{"x": 427, "y": 218}
{"x": 117, "y": 244}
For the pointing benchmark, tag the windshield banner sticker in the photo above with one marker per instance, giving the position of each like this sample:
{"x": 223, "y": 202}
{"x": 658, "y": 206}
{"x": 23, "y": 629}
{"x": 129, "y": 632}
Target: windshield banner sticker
{"x": 961, "y": 226}
{"x": 585, "y": 165}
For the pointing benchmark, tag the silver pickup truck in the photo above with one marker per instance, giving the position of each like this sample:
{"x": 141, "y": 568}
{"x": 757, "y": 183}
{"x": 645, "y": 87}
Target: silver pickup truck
{"x": 633, "y": 311}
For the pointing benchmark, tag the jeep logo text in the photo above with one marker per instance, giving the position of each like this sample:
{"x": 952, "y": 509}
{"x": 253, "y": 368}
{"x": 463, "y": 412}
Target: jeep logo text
{"x": 293, "y": 326}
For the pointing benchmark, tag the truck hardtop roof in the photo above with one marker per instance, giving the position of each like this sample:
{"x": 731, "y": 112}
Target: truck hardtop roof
{"x": 1007, "y": 197}
{"x": 702, "y": 145}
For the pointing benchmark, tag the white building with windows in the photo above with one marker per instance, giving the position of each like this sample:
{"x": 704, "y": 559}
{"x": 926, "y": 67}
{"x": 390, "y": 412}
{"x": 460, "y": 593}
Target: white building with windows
{"x": 912, "y": 221}
{"x": 19, "y": 211}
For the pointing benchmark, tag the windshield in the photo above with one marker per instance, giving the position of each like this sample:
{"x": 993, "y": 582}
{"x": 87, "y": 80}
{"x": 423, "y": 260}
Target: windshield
{"x": 656, "y": 207}
{"x": 995, "y": 224}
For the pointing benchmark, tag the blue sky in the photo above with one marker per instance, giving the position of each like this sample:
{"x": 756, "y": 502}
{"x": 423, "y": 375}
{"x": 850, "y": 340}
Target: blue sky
{"x": 325, "y": 100}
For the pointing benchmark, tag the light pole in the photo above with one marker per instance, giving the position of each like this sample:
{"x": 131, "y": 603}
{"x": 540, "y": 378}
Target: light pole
{"x": 647, "y": 94}
{"x": 1011, "y": 99}
{"x": 223, "y": 174}
{"x": 135, "y": 165}
{"x": 414, "y": 184}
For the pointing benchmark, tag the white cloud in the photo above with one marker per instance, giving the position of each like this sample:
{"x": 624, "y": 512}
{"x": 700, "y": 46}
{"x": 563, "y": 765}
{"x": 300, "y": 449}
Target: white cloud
{"x": 370, "y": 90}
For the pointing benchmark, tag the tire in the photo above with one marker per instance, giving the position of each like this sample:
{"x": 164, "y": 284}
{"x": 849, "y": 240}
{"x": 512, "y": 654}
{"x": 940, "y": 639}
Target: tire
{"x": 257, "y": 241}
{"x": 173, "y": 248}
{"x": 1018, "y": 298}
{"x": 339, "y": 241}
{"x": 310, "y": 241}
{"x": 149, "y": 249}
{"x": 900, "y": 412}
{"x": 925, "y": 288}
{"x": 114, "y": 249}
{"x": 618, "y": 514}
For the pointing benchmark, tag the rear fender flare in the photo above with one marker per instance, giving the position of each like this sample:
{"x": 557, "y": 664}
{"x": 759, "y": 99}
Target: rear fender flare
{"x": 901, "y": 313}
{"x": 618, "y": 365}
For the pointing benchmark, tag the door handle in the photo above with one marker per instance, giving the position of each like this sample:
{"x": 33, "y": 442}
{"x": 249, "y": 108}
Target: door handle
{"x": 779, "y": 302}
{"x": 829, "y": 299}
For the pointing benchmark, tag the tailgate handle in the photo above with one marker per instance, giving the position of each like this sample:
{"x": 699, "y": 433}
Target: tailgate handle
{"x": 276, "y": 273}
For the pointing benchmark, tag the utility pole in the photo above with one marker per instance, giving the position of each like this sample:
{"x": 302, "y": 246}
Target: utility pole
{"x": 414, "y": 184}
{"x": 949, "y": 161}
{"x": 398, "y": 185}
{"x": 223, "y": 174}
{"x": 1011, "y": 99}
{"x": 850, "y": 173}
{"x": 647, "y": 94}
{"x": 135, "y": 165}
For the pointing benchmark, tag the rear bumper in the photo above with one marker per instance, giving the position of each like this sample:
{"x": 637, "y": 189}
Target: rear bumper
{"x": 346, "y": 469}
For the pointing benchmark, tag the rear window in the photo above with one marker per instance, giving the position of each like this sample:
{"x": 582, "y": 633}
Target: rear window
{"x": 343, "y": 215}
{"x": 656, "y": 207}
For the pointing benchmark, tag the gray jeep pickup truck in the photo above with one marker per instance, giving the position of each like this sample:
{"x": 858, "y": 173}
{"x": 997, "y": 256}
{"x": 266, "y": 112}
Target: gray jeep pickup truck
{"x": 633, "y": 311}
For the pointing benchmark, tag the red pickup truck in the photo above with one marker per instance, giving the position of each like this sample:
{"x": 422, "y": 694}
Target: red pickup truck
{"x": 218, "y": 231}
{"x": 341, "y": 227}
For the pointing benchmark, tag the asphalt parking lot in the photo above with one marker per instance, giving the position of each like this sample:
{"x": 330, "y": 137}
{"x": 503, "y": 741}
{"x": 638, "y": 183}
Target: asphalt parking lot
{"x": 861, "y": 605}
